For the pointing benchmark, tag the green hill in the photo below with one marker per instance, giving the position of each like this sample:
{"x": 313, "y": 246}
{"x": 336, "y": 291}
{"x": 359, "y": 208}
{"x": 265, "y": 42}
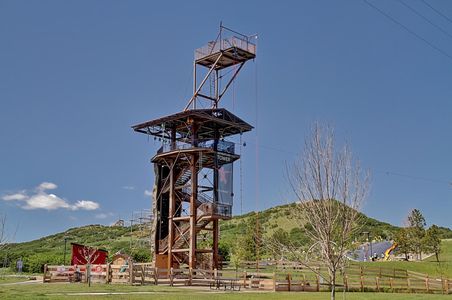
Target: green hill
{"x": 50, "y": 249}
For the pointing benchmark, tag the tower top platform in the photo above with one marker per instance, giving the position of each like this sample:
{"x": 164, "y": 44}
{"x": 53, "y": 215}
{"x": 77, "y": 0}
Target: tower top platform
{"x": 207, "y": 120}
{"x": 223, "y": 53}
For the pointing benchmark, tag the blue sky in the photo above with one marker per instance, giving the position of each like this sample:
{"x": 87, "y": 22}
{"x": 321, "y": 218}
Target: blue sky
{"x": 75, "y": 75}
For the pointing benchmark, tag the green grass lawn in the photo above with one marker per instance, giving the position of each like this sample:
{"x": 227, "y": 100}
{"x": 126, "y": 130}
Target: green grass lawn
{"x": 75, "y": 291}
{"x": 7, "y": 279}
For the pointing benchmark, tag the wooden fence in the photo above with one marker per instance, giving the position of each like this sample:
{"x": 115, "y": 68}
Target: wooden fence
{"x": 301, "y": 278}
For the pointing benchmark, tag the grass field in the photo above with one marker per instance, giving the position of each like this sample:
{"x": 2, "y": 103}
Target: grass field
{"x": 77, "y": 291}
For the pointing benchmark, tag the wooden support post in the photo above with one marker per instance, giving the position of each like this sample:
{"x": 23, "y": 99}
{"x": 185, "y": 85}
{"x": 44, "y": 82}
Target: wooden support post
{"x": 215, "y": 234}
{"x": 216, "y": 229}
{"x": 87, "y": 273}
{"x": 193, "y": 207}
{"x": 171, "y": 212}
{"x": 345, "y": 283}
{"x": 427, "y": 285}
{"x": 377, "y": 283}
{"x": 171, "y": 278}
{"x": 244, "y": 279}
{"x": 304, "y": 281}
{"x": 391, "y": 284}
{"x": 190, "y": 276}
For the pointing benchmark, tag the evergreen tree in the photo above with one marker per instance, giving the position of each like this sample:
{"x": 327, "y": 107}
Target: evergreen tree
{"x": 432, "y": 241}
{"x": 416, "y": 231}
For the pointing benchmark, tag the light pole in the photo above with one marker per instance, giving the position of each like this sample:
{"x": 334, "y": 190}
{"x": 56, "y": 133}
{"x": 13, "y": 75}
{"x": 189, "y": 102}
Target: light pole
{"x": 64, "y": 257}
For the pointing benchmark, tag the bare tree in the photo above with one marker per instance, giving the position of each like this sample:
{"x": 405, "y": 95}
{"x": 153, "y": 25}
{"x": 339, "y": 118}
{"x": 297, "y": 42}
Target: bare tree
{"x": 330, "y": 188}
{"x": 3, "y": 234}
{"x": 90, "y": 255}
{"x": 5, "y": 237}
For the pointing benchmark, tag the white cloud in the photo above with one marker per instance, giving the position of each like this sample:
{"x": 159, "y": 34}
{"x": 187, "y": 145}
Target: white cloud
{"x": 85, "y": 205}
{"x": 15, "y": 197}
{"x": 45, "y": 201}
{"x": 42, "y": 200}
{"x": 147, "y": 193}
{"x": 128, "y": 187}
{"x": 47, "y": 186}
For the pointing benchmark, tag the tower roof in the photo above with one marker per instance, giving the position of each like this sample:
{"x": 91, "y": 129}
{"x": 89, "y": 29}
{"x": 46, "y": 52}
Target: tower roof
{"x": 207, "y": 119}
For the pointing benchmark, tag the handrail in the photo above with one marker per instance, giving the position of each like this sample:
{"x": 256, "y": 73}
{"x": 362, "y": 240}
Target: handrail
{"x": 223, "y": 44}
{"x": 222, "y": 146}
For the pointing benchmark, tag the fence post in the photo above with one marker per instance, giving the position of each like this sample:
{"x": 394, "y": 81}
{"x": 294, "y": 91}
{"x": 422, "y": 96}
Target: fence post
{"x": 107, "y": 273}
{"x": 346, "y": 282}
{"x": 427, "y": 286}
{"x": 288, "y": 281}
{"x": 318, "y": 283}
{"x": 156, "y": 275}
{"x": 445, "y": 286}
{"x": 377, "y": 282}
{"x": 45, "y": 274}
{"x": 274, "y": 281}
{"x": 142, "y": 274}
{"x": 304, "y": 281}
{"x": 390, "y": 284}
{"x": 190, "y": 276}
{"x": 87, "y": 273}
{"x": 362, "y": 278}
{"x": 131, "y": 275}
{"x": 244, "y": 278}
{"x": 171, "y": 277}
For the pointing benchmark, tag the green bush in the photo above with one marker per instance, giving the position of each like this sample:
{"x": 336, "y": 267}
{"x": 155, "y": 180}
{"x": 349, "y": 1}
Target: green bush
{"x": 141, "y": 255}
{"x": 35, "y": 263}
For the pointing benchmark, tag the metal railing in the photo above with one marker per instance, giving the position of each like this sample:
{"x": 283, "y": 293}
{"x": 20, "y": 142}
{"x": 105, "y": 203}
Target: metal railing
{"x": 223, "y": 146}
{"x": 226, "y": 43}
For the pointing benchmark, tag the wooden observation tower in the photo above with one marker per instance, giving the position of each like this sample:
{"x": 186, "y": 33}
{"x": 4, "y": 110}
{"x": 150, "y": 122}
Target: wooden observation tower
{"x": 193, "y": 167}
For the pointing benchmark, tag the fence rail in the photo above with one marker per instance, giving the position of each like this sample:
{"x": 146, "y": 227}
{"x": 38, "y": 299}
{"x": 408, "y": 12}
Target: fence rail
{"x": 314, "y": 278}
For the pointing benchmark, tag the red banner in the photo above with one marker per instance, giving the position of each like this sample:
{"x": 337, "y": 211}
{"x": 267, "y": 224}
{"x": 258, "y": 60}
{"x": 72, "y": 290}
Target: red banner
{"x": 82, "y": 255}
